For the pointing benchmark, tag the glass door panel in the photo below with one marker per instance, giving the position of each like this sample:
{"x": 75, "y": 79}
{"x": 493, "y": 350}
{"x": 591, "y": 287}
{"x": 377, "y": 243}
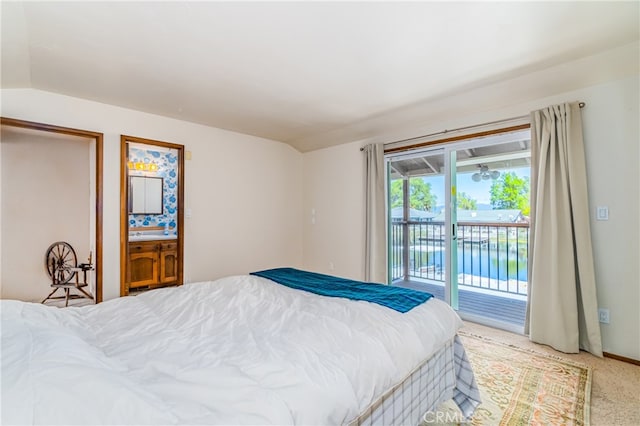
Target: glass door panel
{"x": 490, "y": 216}
{"x": 417, "y": 234}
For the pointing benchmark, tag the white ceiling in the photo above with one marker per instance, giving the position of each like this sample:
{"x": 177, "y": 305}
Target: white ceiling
{"x": 301, "y": 73}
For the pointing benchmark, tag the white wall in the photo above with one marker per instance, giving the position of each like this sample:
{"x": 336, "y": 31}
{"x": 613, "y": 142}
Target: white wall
{"x": 334, "y": 189}
{"x": 44, "y": 196}
{"x": 1, "y": 253}
{"x": 334, "y": 185}
{"x": 246, "y": 198}
{"x": 245, "y": 192}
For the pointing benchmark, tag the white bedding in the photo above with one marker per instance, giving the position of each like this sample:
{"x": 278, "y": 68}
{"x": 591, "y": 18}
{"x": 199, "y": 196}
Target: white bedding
{"x": 239, "y": 350}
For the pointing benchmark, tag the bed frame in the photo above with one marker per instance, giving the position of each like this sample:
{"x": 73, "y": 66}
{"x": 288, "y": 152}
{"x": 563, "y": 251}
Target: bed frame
{"x": 446, "y": 375}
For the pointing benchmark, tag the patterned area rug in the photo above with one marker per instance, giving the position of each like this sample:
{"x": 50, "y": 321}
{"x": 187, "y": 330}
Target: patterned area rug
{"x": 523, "y": 387}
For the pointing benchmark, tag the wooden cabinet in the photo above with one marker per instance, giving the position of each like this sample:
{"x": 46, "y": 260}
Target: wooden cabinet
{"x": 143, "y": 263}
{"x": 153, "y": 264}
{"x": 169, "y": 263}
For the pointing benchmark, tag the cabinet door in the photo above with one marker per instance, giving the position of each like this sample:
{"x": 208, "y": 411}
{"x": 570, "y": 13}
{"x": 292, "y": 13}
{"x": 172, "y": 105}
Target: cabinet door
{"x": 143, "y": 265}
{"x": 168, "y": 263}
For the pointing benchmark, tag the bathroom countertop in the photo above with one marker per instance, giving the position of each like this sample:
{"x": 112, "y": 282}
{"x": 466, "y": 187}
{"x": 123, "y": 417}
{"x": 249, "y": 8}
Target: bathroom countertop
{"x": 151, "y": 237}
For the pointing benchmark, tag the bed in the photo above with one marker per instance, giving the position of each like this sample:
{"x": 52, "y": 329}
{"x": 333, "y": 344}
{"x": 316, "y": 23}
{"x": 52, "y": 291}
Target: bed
{"x": 238, "y": 350}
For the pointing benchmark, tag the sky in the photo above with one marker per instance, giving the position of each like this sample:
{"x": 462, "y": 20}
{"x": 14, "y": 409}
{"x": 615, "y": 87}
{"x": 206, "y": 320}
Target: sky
{"x": 479, "y": 191}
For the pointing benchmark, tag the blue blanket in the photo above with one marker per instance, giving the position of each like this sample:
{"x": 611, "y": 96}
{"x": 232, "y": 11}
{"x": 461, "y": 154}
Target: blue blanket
{"x": 397, "y": 298}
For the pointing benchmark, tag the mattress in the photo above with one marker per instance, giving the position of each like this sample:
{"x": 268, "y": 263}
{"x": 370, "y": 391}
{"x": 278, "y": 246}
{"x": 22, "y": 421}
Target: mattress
{"x": 239, "y": 350}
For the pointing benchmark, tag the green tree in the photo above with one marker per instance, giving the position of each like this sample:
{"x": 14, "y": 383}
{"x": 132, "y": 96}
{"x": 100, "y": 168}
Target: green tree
{"x": 395, "y": 193}
{"x": 420, "y": 195}
{"x": 510, "y": 191}
{"x": 465, "y": 202}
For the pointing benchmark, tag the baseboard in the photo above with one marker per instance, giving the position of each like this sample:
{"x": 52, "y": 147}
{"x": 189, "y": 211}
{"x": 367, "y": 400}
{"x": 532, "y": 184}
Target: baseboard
{"x": 621, "y": 358}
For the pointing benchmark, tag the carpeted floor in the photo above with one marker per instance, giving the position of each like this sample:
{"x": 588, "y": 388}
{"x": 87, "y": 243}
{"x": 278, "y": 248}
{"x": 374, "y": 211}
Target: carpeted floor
{"x": 615, "y": 388}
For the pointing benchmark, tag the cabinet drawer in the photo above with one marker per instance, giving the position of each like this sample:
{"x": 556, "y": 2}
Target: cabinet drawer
{"x": 142, "y": 247}
{"x": 168, "y": 246}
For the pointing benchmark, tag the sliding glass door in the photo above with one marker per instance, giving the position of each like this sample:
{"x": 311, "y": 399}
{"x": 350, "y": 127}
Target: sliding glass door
{"x": 459, "y": 225}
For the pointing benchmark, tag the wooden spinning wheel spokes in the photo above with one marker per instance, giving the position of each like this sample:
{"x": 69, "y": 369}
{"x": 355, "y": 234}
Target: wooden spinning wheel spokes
{"x": 59, "y": 260}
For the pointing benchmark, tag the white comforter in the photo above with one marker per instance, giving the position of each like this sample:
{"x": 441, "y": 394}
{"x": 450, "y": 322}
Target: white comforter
{"x": 239, "y": 350}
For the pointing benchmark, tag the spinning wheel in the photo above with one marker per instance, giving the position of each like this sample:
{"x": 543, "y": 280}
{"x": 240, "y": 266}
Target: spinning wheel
{"x": 59, "y": 260}
{"x": 61, "y": 264}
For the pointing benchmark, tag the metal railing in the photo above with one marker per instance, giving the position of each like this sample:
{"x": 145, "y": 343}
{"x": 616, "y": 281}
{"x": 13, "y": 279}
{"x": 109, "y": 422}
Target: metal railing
{"x": 489, "y": 255}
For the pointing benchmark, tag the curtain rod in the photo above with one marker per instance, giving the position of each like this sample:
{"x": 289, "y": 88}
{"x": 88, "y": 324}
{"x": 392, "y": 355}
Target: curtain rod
{"x": 445, "y": 131}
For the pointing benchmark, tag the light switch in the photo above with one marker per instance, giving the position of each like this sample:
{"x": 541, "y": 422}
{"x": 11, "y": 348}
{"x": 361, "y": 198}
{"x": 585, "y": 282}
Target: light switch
{"x": 187, "y": 213}
{"x": 602, "y": 213}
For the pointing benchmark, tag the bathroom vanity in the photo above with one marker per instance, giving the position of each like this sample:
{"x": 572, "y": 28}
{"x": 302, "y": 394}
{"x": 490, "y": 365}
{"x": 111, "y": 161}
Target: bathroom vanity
{"x": 152, "y": 262}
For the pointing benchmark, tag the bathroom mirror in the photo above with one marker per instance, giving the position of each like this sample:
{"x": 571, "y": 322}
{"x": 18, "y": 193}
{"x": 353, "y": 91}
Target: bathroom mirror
{"x": 145, "y": 195}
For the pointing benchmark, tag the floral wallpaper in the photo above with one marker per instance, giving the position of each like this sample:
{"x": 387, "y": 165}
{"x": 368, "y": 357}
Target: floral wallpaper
{"x": 166, "y": 166}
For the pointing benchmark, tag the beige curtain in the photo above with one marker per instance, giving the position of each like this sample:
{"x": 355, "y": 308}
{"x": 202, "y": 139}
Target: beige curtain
{"x": 375, "y": 258}
{"x": 563, "y": 310}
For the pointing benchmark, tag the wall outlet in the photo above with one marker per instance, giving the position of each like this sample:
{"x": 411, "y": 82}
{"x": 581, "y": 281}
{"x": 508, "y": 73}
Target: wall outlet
{"x": 331, "y": 266}
{"x": 603, "y": 315}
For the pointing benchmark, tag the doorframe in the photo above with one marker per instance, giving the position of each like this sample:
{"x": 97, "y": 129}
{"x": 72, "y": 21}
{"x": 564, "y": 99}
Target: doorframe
{"x": 448, "y": 146}
{"x": 124, "y": 203}
{"x": 99, "y": 139}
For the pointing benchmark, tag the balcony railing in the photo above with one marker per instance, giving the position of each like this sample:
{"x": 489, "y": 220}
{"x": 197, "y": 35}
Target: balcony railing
{"x": 492, "y": 256}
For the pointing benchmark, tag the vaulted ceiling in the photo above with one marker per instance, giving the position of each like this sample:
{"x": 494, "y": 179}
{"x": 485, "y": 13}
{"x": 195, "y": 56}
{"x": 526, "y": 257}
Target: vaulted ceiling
{"x": 310, "y": 74}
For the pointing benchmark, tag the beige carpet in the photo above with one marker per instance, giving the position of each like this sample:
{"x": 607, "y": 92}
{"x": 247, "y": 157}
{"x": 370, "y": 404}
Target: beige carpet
{"x": 615, "y": 387}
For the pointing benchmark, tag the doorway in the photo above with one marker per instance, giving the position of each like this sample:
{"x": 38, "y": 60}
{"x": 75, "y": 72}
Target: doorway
{"x": 62, "y": 187}
{"x": 459, "y": 224}
{"x": 151, "y": 215}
